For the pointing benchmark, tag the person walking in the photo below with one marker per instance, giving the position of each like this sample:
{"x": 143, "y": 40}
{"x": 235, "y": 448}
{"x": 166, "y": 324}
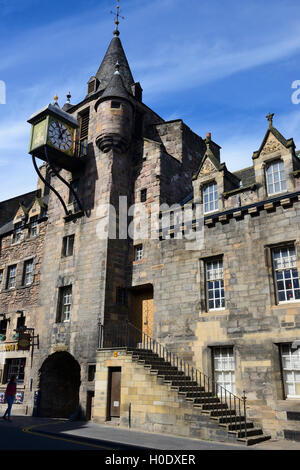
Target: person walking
{"x": 10, "y": 394}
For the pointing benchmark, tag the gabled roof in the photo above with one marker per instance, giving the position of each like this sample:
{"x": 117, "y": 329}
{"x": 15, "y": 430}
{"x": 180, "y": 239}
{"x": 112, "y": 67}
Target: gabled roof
{"x": 114, "y": 54}
{"x": 219, "y": 166}
{"x": 272, "y": 130}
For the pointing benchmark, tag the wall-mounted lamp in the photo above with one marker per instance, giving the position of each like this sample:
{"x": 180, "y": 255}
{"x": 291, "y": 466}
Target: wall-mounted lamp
{"x": 3, "y": 315}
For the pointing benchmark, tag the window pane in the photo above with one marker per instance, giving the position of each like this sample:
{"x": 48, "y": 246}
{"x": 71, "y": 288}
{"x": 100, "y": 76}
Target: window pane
{"x": 210, "y": 197}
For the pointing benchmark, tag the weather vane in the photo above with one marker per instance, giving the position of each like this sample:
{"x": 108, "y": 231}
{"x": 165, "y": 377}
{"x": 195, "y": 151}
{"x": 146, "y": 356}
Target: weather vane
{"x": 117, "y": 16}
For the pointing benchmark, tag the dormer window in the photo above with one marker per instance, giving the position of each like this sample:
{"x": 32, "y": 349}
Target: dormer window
{"x": 275, "y": 176}
{"x": 17, "y": 232}
{"x": 210, "y": 198}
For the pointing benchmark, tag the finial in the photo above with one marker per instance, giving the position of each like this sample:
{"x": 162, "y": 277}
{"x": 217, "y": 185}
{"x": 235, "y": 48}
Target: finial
{"x": 270, "y": 119}
{"x": 69, "y": 96}
{"x": 117, "y": 22}
{"x": 56, "y": 101}
{"x": 208, "y": 139}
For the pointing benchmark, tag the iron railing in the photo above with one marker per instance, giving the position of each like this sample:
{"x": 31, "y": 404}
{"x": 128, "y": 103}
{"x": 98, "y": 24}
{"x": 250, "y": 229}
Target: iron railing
{"x": 190, "y": 381}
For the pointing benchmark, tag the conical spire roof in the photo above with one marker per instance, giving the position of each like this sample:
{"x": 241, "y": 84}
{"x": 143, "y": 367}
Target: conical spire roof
{"x": 116, "y": 87}
{"x": 114, "y": 54}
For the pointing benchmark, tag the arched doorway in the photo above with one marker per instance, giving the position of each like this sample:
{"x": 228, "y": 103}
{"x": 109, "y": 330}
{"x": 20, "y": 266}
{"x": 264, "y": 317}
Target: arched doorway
{"x": 59, "y": 386}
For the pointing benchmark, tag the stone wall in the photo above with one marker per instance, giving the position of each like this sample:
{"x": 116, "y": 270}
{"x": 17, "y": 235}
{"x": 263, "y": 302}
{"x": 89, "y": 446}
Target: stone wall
{"x": 154, "y": 407}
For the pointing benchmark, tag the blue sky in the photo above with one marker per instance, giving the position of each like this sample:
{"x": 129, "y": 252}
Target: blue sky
{"x": 221, "y": 66}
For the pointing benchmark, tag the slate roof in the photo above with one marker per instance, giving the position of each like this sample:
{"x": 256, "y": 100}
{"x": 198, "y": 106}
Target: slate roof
{"x": 116, "y": 88}
{"x": 9, "y": 208}
{"x": 247, "y": 175}
{"x": 115, "y": 53}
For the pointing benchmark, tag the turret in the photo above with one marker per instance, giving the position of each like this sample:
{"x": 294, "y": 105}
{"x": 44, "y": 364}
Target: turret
{"x": 115, "y": 111}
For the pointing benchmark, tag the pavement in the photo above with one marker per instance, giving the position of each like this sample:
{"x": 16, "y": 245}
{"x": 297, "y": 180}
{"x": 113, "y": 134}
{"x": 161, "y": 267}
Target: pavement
{"x": 146, "y": 440}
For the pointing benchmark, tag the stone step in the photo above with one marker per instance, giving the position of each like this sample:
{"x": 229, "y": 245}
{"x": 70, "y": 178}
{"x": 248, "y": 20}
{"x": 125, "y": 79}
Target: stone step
{"x": 203, "y": 400}
{"x": 216, "y": 406}
{"x": 228, "y": 419}
{"x": 181, "y": 388}
{"x": 169, "y": 376}
{"x": 250, "y": 441}
{"x": 162, "y": 370}
{"x": 178, "y": 382}
{"x": 215, "y": 413}
{"x": 236, "y": 427}
{"x": 195, "y": 394}
{"x": 250, "y": 433}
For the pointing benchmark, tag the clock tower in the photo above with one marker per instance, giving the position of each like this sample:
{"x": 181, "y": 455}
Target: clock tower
{"x": 53, "y": 137}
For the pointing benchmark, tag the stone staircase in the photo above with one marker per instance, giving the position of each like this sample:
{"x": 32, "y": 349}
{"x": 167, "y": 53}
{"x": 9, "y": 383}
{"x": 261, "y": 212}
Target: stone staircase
{"x": 205, "y": 402}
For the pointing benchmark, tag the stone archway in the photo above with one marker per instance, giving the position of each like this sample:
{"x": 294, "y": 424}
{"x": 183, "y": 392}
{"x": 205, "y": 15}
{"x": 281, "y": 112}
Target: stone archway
{"x": 59, "y": 386}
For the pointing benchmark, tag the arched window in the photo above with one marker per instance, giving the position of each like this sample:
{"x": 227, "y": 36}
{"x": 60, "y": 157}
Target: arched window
{"x": 210, "y": 198}
{"x": 275, "y": 175}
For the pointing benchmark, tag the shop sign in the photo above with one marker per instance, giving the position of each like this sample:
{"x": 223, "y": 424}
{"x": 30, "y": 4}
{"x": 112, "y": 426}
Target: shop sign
{"x": 24, "y": 342}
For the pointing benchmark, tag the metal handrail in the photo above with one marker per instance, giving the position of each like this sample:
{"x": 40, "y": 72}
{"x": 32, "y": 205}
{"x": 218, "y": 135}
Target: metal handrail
{"x": 191, "y": 380}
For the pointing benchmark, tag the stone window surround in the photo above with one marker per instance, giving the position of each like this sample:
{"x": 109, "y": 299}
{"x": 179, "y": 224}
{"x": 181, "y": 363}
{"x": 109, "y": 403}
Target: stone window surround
{"x": 203, "y": 285}
{"x": 63, "y": 281}
{"x": 218, "y": 178}
{"x": 19, "y": 274}
{"x": 65, "y": 299}
{"x": 66, "y": 252}
{"x": 266, "y": 160}
{"x": 269, "y": 166}
{"x": 138, "y": 252}
{"x": 285, "y": 394}
{"x": 203, "y": 188}
{"x": 26, "y": 263}
{"x": 271, "y": 271}
{"x": 26, "y": 236}
{"x": 9, "y": 270}
{"x": 18, "y": 231}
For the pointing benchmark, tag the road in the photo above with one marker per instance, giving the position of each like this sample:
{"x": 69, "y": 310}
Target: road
{"x": 13, "y": 437}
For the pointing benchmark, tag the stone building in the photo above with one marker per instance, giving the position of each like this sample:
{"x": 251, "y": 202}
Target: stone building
{"x": 209, "y": 270}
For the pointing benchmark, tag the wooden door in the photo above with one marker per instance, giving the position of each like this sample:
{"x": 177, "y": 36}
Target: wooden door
{"x": 142, "y": 311}
{"x": 147, "y": 314}
{"x": 115, "y": 392}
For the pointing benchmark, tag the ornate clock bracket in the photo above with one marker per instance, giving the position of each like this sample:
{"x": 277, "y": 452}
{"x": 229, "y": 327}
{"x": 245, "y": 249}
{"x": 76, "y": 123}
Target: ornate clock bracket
{"x": 52, "y": 135}
{"x": 50, "y": 163}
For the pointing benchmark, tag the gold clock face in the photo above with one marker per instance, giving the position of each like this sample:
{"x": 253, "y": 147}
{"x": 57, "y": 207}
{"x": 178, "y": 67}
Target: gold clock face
{"x": 60, "y": 136}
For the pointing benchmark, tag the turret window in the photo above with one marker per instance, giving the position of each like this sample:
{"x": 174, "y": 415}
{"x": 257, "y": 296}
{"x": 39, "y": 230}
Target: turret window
{"x": 275, "y": 176}
{"x": 210, "y": 198}
{"x": 115, "y": 104}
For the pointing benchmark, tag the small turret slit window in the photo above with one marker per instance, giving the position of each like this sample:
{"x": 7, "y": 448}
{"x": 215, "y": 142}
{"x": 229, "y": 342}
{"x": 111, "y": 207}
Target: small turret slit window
{"x": 275, "y": 176}
{"x": 210, "y": 198}
{"x": 286, "y": 274}
{"x": 115, "y": 104}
